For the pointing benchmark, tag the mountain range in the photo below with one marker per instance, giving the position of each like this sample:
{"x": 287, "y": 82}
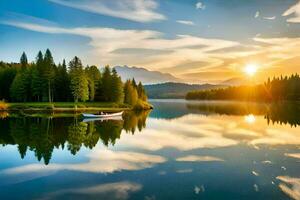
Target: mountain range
{"x": 172, "y": 90}
{"x": 144, "y": 75}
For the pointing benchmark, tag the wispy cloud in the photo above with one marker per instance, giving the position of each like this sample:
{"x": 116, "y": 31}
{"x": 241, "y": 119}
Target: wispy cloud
{"x": 105, "y": 42}
{"x": 185, "y": 22}
{"x": 135, "y": 10}
{"x": 190, "y": 57}
{"x": 295, "y": 11}
{"x": 200, "y": 6}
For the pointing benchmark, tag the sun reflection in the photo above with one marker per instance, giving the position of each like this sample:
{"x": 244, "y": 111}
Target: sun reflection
{"x": 250, "y": 119}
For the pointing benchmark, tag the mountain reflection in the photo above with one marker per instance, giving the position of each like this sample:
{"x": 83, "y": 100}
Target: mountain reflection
{"x": 277, "y": 113}
{"x": 43, "y": 135}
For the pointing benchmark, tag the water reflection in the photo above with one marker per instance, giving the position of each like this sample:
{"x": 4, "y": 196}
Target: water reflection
{"x": 281, "y": 113}
{"x": 203, "y": 149}
{"x": 43, "y": 135}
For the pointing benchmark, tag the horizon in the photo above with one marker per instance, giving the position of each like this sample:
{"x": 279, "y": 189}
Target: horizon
{"x": 203, "y": 43}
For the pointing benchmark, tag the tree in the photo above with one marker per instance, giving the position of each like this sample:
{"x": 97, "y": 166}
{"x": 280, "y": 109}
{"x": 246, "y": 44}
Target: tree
{"x": 62, "y": 83}
{"x": 49, "y": 73}
{"x": 23, "y": 60}
{"x": 116, "y": 88}
{"x": 141, "y": 92}
{"x": 106, "y": 84}
{"x": 7, "y": 76}
{"x": 131, "y": 95}
{"x": 20, "y": 87}
{"x": 93, "y": 75}
{"x": 37, "y": 85}
{"x": 79, "y": 82}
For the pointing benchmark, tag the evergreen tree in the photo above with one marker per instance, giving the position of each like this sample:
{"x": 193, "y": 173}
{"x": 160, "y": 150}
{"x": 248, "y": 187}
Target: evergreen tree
{"x": 116, "y": 88}
{"x": 20, "y": 87}
{"x": 49, "y": 73}
{"x": 79, "y": 82}
{"x": 62, "y": 83}
{"x": 106, "y": 84}
{"x": 131, "y": 95}
{"x": 23, "y": 60}
{"x": 93, "y": 75}
{"x": 37, "y": 80}
{"x": 141, "y": 92}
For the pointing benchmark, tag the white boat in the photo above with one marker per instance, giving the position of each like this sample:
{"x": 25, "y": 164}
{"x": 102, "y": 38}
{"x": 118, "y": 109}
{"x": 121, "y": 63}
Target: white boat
{"x": 103, "y": 116}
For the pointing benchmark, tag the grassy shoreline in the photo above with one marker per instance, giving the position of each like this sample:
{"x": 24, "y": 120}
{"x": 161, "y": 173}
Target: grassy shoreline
{"x": 69, "y": 107}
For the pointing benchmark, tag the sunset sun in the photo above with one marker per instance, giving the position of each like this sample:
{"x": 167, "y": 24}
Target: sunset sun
{"x": 250, "y": 69}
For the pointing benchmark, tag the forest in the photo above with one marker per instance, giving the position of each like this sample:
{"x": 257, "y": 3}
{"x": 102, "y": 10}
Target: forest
{"x": 44, "y": 81}
{"x": 278, "y": 89}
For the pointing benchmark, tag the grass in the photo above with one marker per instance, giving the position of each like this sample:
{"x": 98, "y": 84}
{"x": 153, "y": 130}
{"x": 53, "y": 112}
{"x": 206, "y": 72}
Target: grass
{"x": 66, "y": 106}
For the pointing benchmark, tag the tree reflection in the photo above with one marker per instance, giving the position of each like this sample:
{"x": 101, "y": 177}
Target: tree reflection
{"x": 276, "y": 113}
{"x": 43, "y": 135}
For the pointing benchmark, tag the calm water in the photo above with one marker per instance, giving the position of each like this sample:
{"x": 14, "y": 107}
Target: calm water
{"x": 180, "y": 150}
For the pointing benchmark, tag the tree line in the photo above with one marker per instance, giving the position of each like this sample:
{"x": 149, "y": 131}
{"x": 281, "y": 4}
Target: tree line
{"x": 278, "y": 89}
{"x": 44, "y": 81}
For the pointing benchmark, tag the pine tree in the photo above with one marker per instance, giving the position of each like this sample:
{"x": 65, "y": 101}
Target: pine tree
{"x": 141, "y": 92}
{"x": 116, "y": 88}
{"x": 106, "y": 84}
{"x": 20, "y": 87}
{"x": 79, "y": 82}
{"x": 37, "y": 80}
{"x": 23, "y": 60}
{"x": 93, "y": 75}
{"x": 49, "y": 73}
{"x": 131, "y": 95}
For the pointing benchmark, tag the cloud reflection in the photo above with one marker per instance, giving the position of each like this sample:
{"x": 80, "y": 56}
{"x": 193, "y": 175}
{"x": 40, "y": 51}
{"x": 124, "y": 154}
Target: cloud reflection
{"x": 109, "y": 191}
{"x": 101, "y": 161}
{"x": 290, "y": 186}
{"x": 193, "y": 158}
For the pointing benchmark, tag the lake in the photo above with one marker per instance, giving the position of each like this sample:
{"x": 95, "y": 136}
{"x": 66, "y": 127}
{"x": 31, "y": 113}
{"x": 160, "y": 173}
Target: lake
{"x": 180, "y": 150}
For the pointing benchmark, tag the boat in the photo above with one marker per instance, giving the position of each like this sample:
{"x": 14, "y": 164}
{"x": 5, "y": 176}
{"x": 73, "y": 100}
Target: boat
{"x": 103, "y": 116}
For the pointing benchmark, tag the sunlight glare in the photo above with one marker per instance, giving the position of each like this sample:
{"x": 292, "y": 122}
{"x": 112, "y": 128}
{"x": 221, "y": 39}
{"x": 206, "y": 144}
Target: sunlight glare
{"x": 250, "y": 69}
{"x": 250, "y": 119}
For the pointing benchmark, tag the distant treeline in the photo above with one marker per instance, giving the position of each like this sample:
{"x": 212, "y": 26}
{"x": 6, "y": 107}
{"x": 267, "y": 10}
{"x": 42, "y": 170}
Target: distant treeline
{"x": 44, "y": 81}
{"x": 277, "y": 89}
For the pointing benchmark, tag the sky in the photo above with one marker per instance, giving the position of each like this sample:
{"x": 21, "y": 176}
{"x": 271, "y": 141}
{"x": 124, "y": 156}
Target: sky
{"x": 198, "y": 41}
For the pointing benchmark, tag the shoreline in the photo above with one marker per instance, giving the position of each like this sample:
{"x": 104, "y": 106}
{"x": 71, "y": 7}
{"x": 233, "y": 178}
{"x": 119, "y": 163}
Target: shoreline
{"x": 65, "y": 107}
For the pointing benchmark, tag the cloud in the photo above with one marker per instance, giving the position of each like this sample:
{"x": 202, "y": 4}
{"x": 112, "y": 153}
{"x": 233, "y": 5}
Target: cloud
{"x": 270, "y": 18}
{"x": 109, "y": 191}
{"x": 194, "y": 158}
{"x": 105, "y": 42}
{"x": 256, "y": 14}
{"x": 185, "y": 22}
{"x": 295, "y": 11}
{"x": 192, "y": 58}
{"x": 200, "y": 6}
{"x": 135, "y": 10}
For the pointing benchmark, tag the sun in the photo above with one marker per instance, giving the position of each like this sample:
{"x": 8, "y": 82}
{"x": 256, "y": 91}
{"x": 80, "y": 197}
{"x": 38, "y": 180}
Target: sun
{"x": 250, "y": 119}
{"x": 250, "y": 69}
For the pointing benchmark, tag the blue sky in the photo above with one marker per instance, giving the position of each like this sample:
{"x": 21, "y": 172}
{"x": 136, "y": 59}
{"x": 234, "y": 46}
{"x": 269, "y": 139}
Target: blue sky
{"x": 198, "y": 41}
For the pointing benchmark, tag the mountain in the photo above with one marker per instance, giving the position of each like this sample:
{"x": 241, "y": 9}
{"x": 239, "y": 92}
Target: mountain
{"x": 171, "y": 90}
{"x": 236, "y": 82}
{"x": 144, "y": 75}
